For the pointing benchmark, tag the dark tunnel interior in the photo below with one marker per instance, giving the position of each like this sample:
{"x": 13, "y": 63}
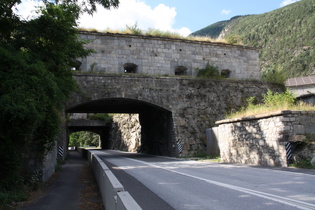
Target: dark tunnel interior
{"x": 157, "y": 134}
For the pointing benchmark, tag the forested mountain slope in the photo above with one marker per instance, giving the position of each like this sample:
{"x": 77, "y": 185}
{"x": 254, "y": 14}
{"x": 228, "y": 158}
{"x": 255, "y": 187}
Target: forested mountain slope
{"x": 213, "y": 30}
{"x": 285, "y": 37}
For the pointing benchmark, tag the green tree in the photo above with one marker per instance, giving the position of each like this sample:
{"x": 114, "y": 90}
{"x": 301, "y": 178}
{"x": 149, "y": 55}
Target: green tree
{"x": 36, "y": 57}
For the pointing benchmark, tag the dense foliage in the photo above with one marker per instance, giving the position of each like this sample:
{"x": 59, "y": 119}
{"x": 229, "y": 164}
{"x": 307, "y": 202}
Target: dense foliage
{"x": 285, "y": 38}
{"x": 84, "y": 139}
{"x": 36, "y": 57}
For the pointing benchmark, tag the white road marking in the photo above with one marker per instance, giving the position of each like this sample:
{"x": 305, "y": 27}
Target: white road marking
{"x": 276, "y": 198}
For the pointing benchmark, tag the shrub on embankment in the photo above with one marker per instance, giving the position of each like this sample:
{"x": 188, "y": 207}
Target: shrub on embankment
{"x": 272, "y": 101}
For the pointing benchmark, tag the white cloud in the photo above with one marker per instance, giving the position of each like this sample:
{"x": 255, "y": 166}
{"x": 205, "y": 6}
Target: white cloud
{"x": 27, "y": 9}
{"x": 225, "y": 12}
{"x": 287, "y": 2}
{"x": 129, "y": 12}
{"x": 184, "y": 31}
{"x": 132, "y": 12}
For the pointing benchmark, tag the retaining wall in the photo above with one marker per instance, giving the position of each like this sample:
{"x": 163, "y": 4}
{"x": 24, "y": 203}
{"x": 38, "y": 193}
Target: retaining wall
{"x": 49, "y": 164}
{"x": 262, "y": 139}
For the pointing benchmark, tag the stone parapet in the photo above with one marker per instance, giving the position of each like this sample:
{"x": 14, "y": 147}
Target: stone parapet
{"x": 262, "y": 139}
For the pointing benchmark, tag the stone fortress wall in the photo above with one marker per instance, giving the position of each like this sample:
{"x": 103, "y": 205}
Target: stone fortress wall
{"x": 194, "y": 104}
{"x": 119, "y": 53}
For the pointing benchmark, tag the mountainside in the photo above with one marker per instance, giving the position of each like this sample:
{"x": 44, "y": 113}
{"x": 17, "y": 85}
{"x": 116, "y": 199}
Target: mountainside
{"x": 212, "y": 30}
{"x": 285, "y": 37}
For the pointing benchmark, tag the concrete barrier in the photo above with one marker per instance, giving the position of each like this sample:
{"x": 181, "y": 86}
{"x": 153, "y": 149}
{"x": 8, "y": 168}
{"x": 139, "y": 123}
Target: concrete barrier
{"x": 113, "y": 194}
{"x": 125, "y": 201}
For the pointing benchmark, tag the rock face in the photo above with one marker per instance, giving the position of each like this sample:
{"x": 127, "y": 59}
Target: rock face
{"x": 125, "y": 134}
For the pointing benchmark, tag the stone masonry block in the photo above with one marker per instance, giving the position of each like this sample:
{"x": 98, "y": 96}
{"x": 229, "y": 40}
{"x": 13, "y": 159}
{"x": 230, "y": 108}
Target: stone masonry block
{"x": 286, "y": 119}
{"x": 298, "y": 129}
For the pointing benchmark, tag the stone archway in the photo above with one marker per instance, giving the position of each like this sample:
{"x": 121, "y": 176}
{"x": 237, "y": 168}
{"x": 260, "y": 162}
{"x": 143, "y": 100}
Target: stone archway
{"x": 156, "y": 123}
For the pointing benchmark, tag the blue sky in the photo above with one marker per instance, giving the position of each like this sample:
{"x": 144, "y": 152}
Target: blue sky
{"x": 201, "y": 13}
{"x": 181, "y": 16}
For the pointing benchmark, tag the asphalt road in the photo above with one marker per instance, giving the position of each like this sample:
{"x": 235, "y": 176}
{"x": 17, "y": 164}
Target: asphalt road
{"x": 166, "y": 183}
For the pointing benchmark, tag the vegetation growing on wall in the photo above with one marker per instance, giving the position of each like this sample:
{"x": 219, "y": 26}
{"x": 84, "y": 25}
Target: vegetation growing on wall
{"x": 135, "y": 30}
{"x": 107, "y": 118}
{"x": 272, "y": 101}
{"x": 209, "y": 72}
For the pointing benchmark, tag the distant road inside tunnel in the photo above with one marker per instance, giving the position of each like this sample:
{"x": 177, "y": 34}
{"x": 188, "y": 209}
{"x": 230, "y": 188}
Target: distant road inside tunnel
{"x": 167, "y": 183}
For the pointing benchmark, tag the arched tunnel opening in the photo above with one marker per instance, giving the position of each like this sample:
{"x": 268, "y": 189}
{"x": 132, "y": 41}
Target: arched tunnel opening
{"x": 157, "y": 133}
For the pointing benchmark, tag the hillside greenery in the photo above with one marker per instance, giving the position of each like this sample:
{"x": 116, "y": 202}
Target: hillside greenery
{"x": 285, "y": 38}
{"x": 214, "y": 30}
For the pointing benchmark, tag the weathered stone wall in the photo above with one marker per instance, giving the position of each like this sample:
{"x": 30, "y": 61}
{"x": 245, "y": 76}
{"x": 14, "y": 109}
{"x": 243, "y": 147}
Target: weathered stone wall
{"x": 125, "y": 133}
{"x": 37, "y": 166}
{"x": 261, "y": 139}
{"x": 192, "y": 104}
{"x": 49, "y": 164}
{"x": 42, "y": 166}
{"x": 163, "y": 56}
